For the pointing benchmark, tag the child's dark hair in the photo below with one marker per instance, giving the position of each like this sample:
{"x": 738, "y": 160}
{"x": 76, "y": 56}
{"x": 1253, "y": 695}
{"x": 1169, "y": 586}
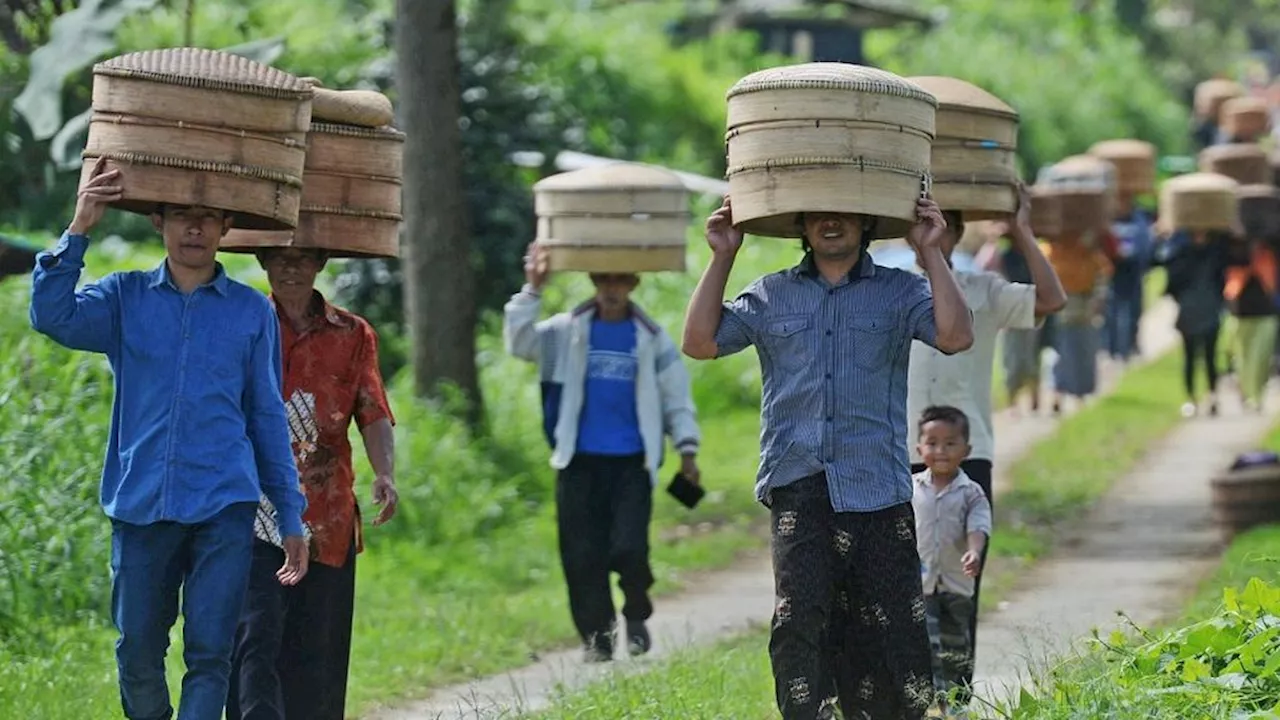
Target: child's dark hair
{"x": 946, "y": 414}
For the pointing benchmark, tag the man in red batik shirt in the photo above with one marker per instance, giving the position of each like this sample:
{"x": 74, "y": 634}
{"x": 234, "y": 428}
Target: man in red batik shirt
{"x": 294, "y": 643}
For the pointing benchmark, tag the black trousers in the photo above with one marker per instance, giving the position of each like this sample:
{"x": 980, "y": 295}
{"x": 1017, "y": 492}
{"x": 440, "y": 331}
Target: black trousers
{"x": 850, "y": 613}
{"x": 603, "y": 508}
{"x": 1199, "y": 346}
{"x": 293, "y": 645}
{"x": 978, "y": 471}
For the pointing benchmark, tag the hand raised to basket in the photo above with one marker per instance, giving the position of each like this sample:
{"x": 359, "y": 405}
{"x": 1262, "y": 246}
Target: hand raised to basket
{"x": 927, "y": 232}
{"x": 536, "y": 265}
{"x": 102, "y": 188}
{"x": 722, "y": 236}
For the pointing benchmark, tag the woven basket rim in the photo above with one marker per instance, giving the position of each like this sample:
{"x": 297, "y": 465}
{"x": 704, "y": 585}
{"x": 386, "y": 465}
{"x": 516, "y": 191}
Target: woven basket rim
{"x": 215, "y": 70}
{"x": 955, "y": 94}
{"x": 178, "y": 163}
{"x": 1233, "y": 151}
{"x": 792, "y": 77}
{"x": 1258, "y": 191}
{"x": 1123, "y": 148}
{"x": 386, "y": 132}
{"x": 1200, "y": 182}
{"x": 615, "y": 177}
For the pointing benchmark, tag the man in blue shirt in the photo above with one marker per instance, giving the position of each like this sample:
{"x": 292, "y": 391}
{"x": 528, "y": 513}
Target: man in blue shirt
{"x": 198, "y": 432}
{"x": 834, "y": 336}
{"x": 1132, "y": 228}
{"x": 614, "y": 387}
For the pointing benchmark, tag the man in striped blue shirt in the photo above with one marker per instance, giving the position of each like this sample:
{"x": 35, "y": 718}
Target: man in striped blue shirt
{"x": 833, "y": 335}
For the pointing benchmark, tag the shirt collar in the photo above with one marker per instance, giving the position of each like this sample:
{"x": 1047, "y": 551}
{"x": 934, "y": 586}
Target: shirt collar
{"x": 864, "y": 268}
{"x": 161, "y": 276}
{"x": 925, "y": 479}
{"x": 320, "y": 308}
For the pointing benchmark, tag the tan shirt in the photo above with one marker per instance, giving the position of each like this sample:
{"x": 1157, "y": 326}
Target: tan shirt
{"x": 943, "y": 523}
{"x": 963, "y": 380}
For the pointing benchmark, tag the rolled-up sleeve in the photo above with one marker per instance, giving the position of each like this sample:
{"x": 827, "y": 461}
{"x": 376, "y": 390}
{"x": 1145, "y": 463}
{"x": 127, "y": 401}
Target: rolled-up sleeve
{"x": 268, "y": 428}
{"x": 739, "y": 322}
{"x": 919, "y": 318}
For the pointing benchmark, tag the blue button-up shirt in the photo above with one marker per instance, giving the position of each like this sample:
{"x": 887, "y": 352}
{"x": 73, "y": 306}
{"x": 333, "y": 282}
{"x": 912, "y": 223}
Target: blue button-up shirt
{"x": 834, "y": 363}
{"x": 198, "y": 419}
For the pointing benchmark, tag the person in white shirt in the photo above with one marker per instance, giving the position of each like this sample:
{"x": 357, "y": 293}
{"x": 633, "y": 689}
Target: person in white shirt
{"x": 953, "y": 522}
{"x": 963, "y": 380}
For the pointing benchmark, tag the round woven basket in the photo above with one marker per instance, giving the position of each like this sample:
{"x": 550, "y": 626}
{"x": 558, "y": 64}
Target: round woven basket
{"x": 1260, "y": 211}
{"x": 1046, "y": 212}
{"x": 827, "y": 137}
{"x": 616, "y": 218}
{"x": 1211, "y": 94}
{"x": 188, "y": 126}
{"x": 1245, "y": 118}
{"x": 1199, "y": 201}
{"x": 1085, "y": 187}
{"x": 1134, "y": 162}
{"x": 974, "y": 156}
{"x": 351, "y": 197}
{"x": 1246, "y": 163}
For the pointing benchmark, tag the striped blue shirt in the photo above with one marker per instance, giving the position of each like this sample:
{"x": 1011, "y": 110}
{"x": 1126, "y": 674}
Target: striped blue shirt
{"x": 834, "y": 364}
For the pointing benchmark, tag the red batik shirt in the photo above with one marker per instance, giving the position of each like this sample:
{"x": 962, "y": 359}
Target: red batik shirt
{"x": 330, "y": 377}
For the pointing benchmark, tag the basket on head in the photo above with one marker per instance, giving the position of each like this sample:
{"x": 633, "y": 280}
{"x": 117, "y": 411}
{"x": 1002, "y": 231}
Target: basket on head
{"x": 1085, "y": 187}
{"x": 1246, "y": 163}
{"x": 1260, "y": 211}
{"x": 365, "y": 108}
{"x": 1046, "y": 212}
{"x": 1245, "y": 118}
{"x": 188, "y": 126}
{"x": 1134, "y": 162}
{"x": 619, "y": 217}
{"x": 973, "y": 161}
{"x": 827, "y": 137}
{"x": 1211, "y": 94}
{"x": 1199, "y": 201}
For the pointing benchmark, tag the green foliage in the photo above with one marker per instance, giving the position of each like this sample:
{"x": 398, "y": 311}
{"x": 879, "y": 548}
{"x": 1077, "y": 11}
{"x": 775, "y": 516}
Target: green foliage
{"x": 1075, "y": 78}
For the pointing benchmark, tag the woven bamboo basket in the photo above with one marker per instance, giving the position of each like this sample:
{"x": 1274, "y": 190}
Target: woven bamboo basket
{"x": 365, "y": 108}
{"x": 1260, "y": 211}
{"x": 973, "y": 161}
{"x": 1211, "y": 94}
{"x": 189, "y": 126}
{"x": 616, "y": 218}
{"x": 1245, "y": 498}
{"x": 1245, "y": 118}
{"x": 350, "y": 199}
{"x": 827, "y": 137}
{"x": 1199, "y": 201}
{"x": 1246, "y": 163}
{"x": 1046, "y": 212}
{"x": 1085, "y": 187}
{"x": 1134, "y": 162}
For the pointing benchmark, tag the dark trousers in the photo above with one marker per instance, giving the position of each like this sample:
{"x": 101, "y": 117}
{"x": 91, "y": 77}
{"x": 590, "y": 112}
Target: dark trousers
{"x": 603, "y": 508}
{"x": 978, "y": 471}
{"x": 850, "y": 613}
{"x": 949, "y": 635}
{"x": 293, "y": 645}
{"x": 209, "y": 562}
{"x": 1202, "y": 346}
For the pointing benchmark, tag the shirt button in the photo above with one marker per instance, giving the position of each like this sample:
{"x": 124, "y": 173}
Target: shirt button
{"x": 828, "y": 333}
{"x": 828, "y": 376}
{"x": 832, "y": 291}
{"x": 829, "y": 418}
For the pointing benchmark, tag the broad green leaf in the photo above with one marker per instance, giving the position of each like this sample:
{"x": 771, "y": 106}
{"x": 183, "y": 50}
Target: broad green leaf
{"x": 1194, "y": 670}
{"x": 76, "y": 40}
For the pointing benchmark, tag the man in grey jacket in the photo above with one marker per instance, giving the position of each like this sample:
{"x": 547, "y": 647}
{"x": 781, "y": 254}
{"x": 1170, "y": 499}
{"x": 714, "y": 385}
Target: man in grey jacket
{"x": 613, "y": 386}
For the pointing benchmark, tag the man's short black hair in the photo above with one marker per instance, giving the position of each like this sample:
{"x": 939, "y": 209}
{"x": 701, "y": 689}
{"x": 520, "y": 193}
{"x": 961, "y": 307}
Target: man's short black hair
{"x": 945, "y": 414}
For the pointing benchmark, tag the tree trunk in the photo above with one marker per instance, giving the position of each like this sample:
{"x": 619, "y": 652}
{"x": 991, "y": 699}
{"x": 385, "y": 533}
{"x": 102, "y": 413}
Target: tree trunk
{"x": 439, "y": 283}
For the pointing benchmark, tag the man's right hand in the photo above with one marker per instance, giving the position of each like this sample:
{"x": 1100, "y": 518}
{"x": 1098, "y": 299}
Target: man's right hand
{"x": 295, "y": 561}
{"x": 102, "y": 188}
{"x": 536, "y": 266}
{"x": 725, "y": 240}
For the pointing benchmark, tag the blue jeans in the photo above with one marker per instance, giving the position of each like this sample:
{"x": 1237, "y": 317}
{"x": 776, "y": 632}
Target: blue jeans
{"x": 210, "y": 562}
{"x": 1120, "y": 330}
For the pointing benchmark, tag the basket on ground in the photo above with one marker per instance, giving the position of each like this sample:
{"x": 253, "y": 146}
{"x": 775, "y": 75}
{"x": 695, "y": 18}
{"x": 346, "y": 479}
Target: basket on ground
{"x": 189, "y": 126}
{"x": 1246, "y": 498}
{"x": 1246, "y": 163}
{"x": 1199, "y": 201}
{"x": 973, "y": 161}
{"x": 1134, "y": 162}
{"x": 616, "y": 218}
{"x": 827, "y": 137}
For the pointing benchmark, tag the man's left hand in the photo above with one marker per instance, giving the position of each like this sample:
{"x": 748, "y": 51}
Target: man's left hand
{"x": 386, "y": 496}
{"x": 929, "y": 228}
{"x": 689, "y": 468}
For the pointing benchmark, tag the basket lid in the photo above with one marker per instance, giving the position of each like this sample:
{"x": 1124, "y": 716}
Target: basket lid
{"x": 207, "y": 69}
{"x": 1200, "y": 183}
{"x": 1084, "y": 173}
{"x": 365, "y": 108}
{"x": 1218, "y": 88}
{"x": 1233, "y": 151}
{"x": 612, "y": 177}
{"x": 1123, "y": 149}
{"x": 838, "y": 76}
{"x": 954, "y": 93}
{"x": 1244, "y": 104}
{"x": 1258, "y": 192}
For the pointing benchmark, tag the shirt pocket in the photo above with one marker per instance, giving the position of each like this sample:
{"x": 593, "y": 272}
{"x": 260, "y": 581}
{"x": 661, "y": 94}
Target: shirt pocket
{"x": 226, "y": 355}
{"x": 873, "y": 346}
{"x": 789, "y": 341}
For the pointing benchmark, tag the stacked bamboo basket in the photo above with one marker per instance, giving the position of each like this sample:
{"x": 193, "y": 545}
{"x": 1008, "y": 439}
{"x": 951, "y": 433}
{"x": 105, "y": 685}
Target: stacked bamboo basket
{"x": 1245, "y": 118}
{"x": 1199, "y": 201}
{"x": 189, "y": 126}
{"x": 351, "y": 193}
{"x": 1084, "y": 188}
{"x": 828, "y": 137}
{"x": 615, "y": 218}
{"x": 1246, "y": 163}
